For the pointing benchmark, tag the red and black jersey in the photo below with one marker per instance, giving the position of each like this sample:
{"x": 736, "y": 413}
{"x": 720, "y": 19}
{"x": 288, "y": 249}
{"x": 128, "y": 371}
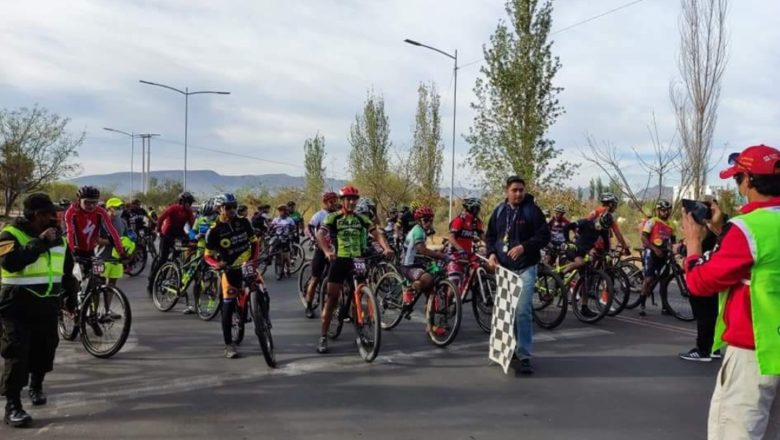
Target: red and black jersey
{"x": 466, "y": 228}
{"x": 83, "y": 229}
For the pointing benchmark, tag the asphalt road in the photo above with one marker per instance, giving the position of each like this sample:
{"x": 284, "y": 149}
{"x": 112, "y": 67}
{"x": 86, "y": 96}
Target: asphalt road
{"x": 618, "y": 379}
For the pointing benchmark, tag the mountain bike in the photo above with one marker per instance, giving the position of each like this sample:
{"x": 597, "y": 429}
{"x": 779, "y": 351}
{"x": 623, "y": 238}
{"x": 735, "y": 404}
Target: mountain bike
{"x": 252, "y": 305}
{"x": 477, "y": 286}
{"x": 271, "y": 254}
{"x": 675, "y": 296}
{"x": 173, "y": 280}
{"x": 101, "y": 316}
{"x": 144, "y": 248}
{"x": 550, "y": 299}
{"x": 304, "y": 278}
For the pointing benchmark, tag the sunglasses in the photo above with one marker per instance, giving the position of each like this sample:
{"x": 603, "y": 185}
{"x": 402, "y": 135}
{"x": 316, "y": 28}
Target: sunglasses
{"x": 90, "y": 201}
{"x": 427, "y": 219}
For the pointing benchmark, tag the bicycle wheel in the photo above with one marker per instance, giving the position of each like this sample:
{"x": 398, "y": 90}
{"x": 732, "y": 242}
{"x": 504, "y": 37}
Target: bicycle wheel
{"x": 550, "y": 300}
{"x": 304, "y": 277}
{"x": 622, "y": 290}
{"x": 675, "y": 297}
{"x": 104, "y": 321}
{"x": 592, "y": 297}
{"x": 443, "y": 313}
{"x": 137, "y": 262}
{"x": 258, "y": 304}
{"x": 263, "y": 261}
{"x": 67, "y": 324}
{"x": 377, "y": 271}
{"x": 340, "y": 312}
{"x": 367, "y": 320}
{"x": 278, "y": 266}
{"x": 238, "y": 323}
{"x": 632, "y": 268}
{"x": 297, "y": 257}
{"x": 483, "y": 291}
{"x": 389, "y": 294}
{"x": 167, "y": 284}
{"x": 208, "y": 298}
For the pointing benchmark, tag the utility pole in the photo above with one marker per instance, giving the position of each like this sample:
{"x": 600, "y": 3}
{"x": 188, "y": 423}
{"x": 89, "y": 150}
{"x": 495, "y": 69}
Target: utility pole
{"x": 146, "y": 153}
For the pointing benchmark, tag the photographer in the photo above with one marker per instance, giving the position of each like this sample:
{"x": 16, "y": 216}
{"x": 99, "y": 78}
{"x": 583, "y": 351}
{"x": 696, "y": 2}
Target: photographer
{"x": 745, "y": 266}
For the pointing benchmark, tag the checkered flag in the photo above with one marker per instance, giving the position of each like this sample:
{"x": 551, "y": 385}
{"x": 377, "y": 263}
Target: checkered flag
{"x": 502, "y": 334}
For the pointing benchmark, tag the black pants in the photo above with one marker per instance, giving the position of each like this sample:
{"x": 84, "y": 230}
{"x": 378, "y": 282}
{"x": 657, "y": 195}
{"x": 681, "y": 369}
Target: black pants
{"x": 29, "y": 340}
{"x": 705, "y": 310}
{"x": 167, "y": 244}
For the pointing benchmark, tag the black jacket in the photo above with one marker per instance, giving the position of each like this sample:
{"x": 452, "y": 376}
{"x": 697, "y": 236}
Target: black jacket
{"x": 529, "y": 229}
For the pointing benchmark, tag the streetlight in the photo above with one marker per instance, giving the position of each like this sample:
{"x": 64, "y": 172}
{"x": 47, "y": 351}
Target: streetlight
{"x": 454, "y": 108}
{"x": 186, "y": 92}
{"x": 132, "y": 151}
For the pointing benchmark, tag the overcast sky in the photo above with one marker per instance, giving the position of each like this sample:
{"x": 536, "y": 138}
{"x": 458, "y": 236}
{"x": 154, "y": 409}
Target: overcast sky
{"x": 298, "y": 67}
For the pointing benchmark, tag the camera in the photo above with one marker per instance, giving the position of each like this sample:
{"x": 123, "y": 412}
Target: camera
{"x": 701, "y": 211}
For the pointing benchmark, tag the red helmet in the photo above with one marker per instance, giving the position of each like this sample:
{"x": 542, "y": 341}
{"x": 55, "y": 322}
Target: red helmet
{"x": 422, "y": 212}
{"x": 349, "y": 191}
{"x": 329, "y": 196}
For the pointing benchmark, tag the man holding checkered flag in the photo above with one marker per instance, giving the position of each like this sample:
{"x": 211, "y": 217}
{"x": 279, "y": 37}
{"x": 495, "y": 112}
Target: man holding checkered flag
{"x": 516, "y": 233}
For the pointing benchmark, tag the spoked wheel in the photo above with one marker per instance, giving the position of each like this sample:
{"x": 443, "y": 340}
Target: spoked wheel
{"x": 443, "y": 313}
{"x": 304, "y": 278}
{"x": 104, "y": 321}
{"x": 167, "y": 283}
{"x": 259, "y": 306}
{"x": 238, "y": 323}
{"x": 483, "y": 292}
{"x": 67, "y": 324}
{"x": 622, "y": 286}
{"x": 297, "y": 257}
{"x": 676, "y": 297}
{"x": 549, "y": 299}
{"x": 208, "y": 298}
{"x": 389, "y": 294}
{"x": 592, "y": 297}
{"x": 367, "y": 319}
{"x": 377, "y": 271}
{"x": 632, "y": 268}
{"x": 340, "y": 312}
{"x": 137, "y": 262}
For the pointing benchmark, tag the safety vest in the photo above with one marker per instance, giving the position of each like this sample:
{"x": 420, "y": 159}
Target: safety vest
{"x": 47, "y": 269}
{"x": 762, "y": 231}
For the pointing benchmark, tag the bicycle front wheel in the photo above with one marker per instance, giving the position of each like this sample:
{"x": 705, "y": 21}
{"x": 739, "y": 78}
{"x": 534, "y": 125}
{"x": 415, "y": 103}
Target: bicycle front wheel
{"x": 622, "y": 286}
{"x": 208, "y": 298}
{"x": 167, "y": 284}
{"x": 304, "y": 278}
{"x": 297, "y": 257}
{"x": 104, "y": 321}
{"x": 367, "y": 319}
{"x": 483, "y": 293}
{"x": 593, "y": 297}
{"x": 676, "y": 298}
{"x": 443, "y": 313}
{"x": 389, "y": 294}
{"x": 632, "y": 268}
{"x": 137, "y": 262}
{"x": 549, "y": 299}
{"x": 259, "y": 305}
{"x": 67, "y": 324}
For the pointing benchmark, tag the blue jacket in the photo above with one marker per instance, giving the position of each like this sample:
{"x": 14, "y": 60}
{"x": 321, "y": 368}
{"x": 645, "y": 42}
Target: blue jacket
{"x": 529, "y": 229}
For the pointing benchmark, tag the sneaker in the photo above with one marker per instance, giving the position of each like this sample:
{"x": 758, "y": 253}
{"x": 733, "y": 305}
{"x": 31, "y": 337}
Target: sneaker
{"x": 189, "y": 310}
{"x": 322, "y": 347}
{"x": 16, "y": 416}
{"x": 525, "y": 367}
{"x": 642, "y": 311}
{"x": 695, "y": 356}
{"x": 665, "y": 311}
{"x": 716, "y": 354}
{"x": 309, "y": 312}
{"x": 37, "y": 397}
{"x": 230, "y": 351}
{"x": 408, "y": 297}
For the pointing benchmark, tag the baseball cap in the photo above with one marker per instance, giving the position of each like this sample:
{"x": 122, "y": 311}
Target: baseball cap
{"x": 39, "y": 202}
{"x": 756, "y": 160}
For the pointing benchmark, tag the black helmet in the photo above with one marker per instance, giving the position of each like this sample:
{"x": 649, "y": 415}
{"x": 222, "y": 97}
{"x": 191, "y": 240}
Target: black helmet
{"x": 64, "y": 202}
{"x": 605, "y": 220}
{"x": 88, "y": 192}
{"x": 290, "y": 203}
{"x": 404, "y": 209}
{"x": 609, "y": 198}
{"x": 243, "y": 209}
{"x": 472, "y": 204}
{"x": 186, "y": 198}
{"x": 226, "y": 199}
{"x": 663, "y": 204}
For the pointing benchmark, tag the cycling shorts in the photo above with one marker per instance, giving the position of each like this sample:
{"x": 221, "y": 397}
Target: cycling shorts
{"x": 412, "y": 273}
{"x": 652, "y": 263}
{"x": 319, "y": 262}
{"x": 113, "y": 271}
{"x": 232, "y": 280}
{"x": 340, "y": 270}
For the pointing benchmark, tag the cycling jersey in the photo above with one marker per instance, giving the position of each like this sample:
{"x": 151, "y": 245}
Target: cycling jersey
{"x": 556, "y": 230}
{"x": 316, "y": 221}
{"x": 347, "y": 233}
{"x": 587, "y": 235}
{"x": 284, "y": 227}
{"x": 466, "y": 228}
{"x": 416, "y": 236}
{"x": 172, "y": 220}
{"x": 661, "y": 234}
{"x": 231, "y": 242}
{"x": 296, "y": 217}
{"x": 136, "y": 218}
{"x": 83, "y": 229}
{"x": 201, "y": 228}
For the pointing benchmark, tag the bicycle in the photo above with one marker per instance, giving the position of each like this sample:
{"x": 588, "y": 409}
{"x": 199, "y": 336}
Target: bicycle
{"x": 358, "y": 304}
{"x": 174, "y": 279}
{"x": 550, "y": 299}
{"x": 443, "y": 308}
{"x": 676, "y": 301}
{"x": 481, "y": 284}
{"x": 144, "y": 248}
{"x": 101, "y": 311}
{"x": 272, "y": 254}
{"x": 253, "y": 299}
{"x": 304, "y": 278}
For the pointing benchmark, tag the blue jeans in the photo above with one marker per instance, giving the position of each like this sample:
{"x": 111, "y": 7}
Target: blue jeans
{"x": 524, "y": 318}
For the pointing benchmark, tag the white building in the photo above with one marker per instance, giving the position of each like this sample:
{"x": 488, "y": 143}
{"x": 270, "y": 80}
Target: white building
{"x": 687, "y": 191}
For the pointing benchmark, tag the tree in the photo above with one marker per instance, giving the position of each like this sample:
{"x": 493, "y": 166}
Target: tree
{"x": 36, "y": 150}
{"x": 696, "y": 95}
{"x": 517, "y": 102}
{"x": 427, "y": 154}
{"x": 314, "y": 177}
{"x": 369, "y": 157}
{"x": 592, "y": 189}
{"x": 160, "y": 194}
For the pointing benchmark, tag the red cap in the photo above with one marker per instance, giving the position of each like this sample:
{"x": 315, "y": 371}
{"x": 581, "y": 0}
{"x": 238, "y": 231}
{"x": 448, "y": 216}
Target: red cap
{"x": 757, "y": 160}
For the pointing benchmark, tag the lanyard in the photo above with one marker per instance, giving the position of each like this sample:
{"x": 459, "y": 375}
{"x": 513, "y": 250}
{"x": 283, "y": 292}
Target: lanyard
{"x": 511, "y": 216}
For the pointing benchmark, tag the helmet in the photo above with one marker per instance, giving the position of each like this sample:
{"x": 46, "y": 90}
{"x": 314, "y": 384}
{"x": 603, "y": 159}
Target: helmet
{"x": 227, "y": 199}
{"x": 282, "y": 207}
{"x": 422, "y": 212}
{"x": 605, "y": 221}
{"x": 415, "y": 205}
{"x": 404, "y": 209}
{"x": 560, "y": 208}
{"x": 207, "y": 207}
{"x": 663, "y": 204}
{"x": 349, "y": 191}
{"x": 330, "y": 195}
{"x": 186, "y": 197}
{"x": 472, "y": 204}
{"x": 88, "y": 192}
{"x": 366, "y": 206}
{"x": 608, "y": 198}
{"x": 114, "y": 202}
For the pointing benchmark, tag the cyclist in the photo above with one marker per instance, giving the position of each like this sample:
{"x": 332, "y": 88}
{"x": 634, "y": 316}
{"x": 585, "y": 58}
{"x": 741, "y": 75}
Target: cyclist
{"x": 113, "y": 269}
{"x": 136, "y": 218}
{"x": 392, "y": 219}
{"x": 657, "y": 240}
{"x": 283, "y": 228}
{"x": 412, "y": 267}
{"x": 589, "y": 232}
{"x": 557, "y": 223}
{"x": 609, "y": 203}
{"x": 230, "y": 242}
{"x": 406, "y": 221}
{"x": 345, "y": 230}
{"x": 171, "y": 226}
{"x": 465, "y": 229}
{"x": 319, "y": 260}
{"x": 84, "y": 221}
{"x": 261, "y": 219}
{"x": 367, "y": 208}
{"x": 297, "y": 218}
{"x": 243, "y": 211}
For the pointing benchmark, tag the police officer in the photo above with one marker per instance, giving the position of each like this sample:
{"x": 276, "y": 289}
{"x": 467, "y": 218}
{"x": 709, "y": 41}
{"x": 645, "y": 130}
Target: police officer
{"x": 36, "y": 264}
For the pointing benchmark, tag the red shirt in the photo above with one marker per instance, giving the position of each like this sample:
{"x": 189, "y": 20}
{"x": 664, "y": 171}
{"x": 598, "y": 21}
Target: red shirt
{"x": 83, "y": 229}
{"x": 171, "y": 222}
{"x": 727, "y": 267}
{"x": 465, "y": 227}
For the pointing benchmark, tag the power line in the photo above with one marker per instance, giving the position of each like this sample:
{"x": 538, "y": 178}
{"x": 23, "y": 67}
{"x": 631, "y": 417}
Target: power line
{"x": 626, "y": 5}
{"x": 229, "y": 153}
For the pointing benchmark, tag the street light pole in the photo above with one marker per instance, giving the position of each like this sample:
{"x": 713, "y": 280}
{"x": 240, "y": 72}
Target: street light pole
{"x": 454, "y": 108}
{"x": 146, "y": 145}
{"x": 132, "y": 152}
{"x": 186, "y": 92}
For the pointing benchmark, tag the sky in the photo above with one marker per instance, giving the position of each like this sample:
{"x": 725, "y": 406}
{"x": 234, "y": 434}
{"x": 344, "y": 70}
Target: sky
{"x": 295, "y": 69}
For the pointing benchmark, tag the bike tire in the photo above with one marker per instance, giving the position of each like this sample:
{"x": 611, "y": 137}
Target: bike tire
{"x": 208, "y": 297}
{"x": 369, "y": 332}
{"x": 550, "y": 299}
{"x": 304, "y": 278}
{"x": 677, "y": 300}
{"x": 632, "y": 268}
{"x": 166, "y": 287}
{"x": 443, "y": 310}
{"x": 138, "y": 259}
{"x": 593, "y": 287}
{"x": 337, "y": 318}
{"x": 90, "y": 320}
{"x": 389, "y": 294}
{"x": 262, "y": 329}
{"x": 622, "y": 291}
{"x": 67, "y": 324}
{"x": 297, "y": 258}
{"x": 238, "y": 324}
{"x": 483, "y": 292}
